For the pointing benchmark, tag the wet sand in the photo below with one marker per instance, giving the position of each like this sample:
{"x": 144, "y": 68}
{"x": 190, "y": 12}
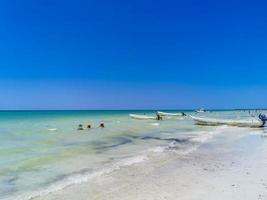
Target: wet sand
{"x": 231, "y": 165}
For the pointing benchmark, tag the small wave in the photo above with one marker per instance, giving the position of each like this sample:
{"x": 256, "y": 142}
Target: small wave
{"x": 131, "y": 161}
{"x": 186, "y": 146}
{"x": 80, "y": 178}
{"x": 179, "y": 146}
{"x": 52, "y": 129}
{"x": 154, "y": 124}
{"x": 158, "y": 149}
{"x": 180, "y": 118}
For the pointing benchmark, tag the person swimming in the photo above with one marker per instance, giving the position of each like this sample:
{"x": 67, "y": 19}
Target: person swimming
{"x": 102, "y": 125}
{"x": 89, "y": 126}
{"x": 80, "y": 127}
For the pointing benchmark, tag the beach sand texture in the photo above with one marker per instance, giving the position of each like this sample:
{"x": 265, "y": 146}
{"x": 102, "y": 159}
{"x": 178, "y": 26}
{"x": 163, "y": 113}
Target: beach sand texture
{"x": 232, "y": 165}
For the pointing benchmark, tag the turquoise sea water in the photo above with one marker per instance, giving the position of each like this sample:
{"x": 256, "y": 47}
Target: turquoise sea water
{"x": 42, "y": 151}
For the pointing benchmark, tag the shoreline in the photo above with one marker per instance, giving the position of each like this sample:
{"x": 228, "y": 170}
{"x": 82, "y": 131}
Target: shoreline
{"x": 231, "y": 165}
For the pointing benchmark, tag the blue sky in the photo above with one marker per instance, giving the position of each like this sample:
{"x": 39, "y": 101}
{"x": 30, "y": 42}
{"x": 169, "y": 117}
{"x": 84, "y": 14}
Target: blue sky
{"x": 133, "y": 54}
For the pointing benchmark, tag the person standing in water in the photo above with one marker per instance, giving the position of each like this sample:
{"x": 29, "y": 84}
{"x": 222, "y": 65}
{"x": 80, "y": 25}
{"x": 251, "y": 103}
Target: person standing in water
{"x": 159, "y": 117}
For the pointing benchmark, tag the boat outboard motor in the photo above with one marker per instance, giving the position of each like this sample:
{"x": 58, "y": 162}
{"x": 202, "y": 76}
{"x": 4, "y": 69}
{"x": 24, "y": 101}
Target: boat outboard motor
{"x": 263, "y": 118}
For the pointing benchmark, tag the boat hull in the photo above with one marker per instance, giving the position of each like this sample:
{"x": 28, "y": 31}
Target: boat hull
{"x": 240, "y": 123}
{"x": 170, "y": 114}
{"x": 142, "y": 117}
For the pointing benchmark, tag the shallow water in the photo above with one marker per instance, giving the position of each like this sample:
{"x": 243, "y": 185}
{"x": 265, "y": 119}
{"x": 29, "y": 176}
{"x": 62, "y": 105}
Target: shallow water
{"x": 43, "y": 151}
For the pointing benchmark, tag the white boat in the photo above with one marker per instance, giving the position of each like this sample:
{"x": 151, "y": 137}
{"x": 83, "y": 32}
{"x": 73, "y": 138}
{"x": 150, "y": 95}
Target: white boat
{"x": 254, "y": 122}
{"x": 170, "y": 114}
{"x": 143, "y": 117}
{"x": 201, "y": 110}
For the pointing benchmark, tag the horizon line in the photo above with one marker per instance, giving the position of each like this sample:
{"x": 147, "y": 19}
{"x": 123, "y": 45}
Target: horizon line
{"x": 130, "y": 109}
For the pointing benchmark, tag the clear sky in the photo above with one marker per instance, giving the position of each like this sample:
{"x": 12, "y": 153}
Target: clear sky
{"x": 61, "y": 54}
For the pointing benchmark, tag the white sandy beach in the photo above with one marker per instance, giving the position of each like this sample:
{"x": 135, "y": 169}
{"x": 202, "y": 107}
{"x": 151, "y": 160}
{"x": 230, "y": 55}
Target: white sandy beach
{"x": 231, "y": 165}
{"x": 133, "y": 100}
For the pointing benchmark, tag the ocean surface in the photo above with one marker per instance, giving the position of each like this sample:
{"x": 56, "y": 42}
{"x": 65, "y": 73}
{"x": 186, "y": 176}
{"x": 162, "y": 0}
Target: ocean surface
{"x": 43, "y": 152}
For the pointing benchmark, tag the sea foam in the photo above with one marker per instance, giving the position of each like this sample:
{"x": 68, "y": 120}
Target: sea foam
{"x": 80, "y": 178}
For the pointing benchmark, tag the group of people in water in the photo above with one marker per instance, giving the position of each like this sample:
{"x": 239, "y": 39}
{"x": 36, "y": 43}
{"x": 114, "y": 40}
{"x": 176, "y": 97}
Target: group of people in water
{"x": 81, "y": 128}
